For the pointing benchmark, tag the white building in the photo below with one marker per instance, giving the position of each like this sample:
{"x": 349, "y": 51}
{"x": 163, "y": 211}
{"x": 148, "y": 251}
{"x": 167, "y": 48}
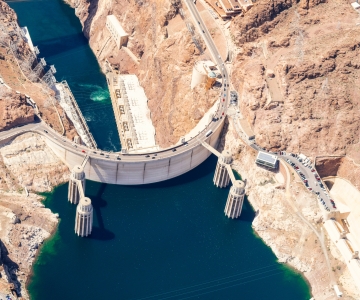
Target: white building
{"x": 117, "y": 32}
{"x": 136, "y": 130}
{"x": 267, "y": 160}
{"x": 203, "y": 72}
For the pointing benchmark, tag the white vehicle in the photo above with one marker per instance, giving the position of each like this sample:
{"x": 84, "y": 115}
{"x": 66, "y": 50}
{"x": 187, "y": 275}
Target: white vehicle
{"x": 208, "y": 133}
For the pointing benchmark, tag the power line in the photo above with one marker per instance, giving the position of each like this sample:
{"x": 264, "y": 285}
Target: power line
{"x": 209, "y": 282}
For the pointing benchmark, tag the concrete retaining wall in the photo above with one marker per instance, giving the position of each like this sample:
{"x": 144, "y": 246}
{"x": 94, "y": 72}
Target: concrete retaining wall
{"x": 142, "y": 172}
{"x": 284, "y": 171}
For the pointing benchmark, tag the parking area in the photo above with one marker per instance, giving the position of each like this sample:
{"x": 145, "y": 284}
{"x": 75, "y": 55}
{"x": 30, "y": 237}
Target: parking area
{"x": 310, "y": 178}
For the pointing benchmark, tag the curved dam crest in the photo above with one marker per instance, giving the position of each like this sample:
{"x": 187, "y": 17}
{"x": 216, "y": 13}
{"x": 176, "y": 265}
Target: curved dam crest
{"x": 146, "y": 171}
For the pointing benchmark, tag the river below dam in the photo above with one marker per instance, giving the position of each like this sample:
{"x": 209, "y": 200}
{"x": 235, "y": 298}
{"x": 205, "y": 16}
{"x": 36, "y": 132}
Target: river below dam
{"x": 168, "y": 240}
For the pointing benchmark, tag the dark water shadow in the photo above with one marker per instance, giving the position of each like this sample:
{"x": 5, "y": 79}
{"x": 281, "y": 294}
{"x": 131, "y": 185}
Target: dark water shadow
{"x": 100, "y": 232}
{"x": 92, "y": 12}
{"x": 52, "y": 47}
{"x": 11, "y": 268}
{"x": 248, "y": 214}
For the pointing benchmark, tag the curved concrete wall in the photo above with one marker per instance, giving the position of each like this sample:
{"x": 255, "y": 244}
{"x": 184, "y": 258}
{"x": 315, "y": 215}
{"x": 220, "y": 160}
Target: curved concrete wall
{"x": 130, "y": 173}
{"x": 347, "y": 197}
{"x": 198, "y": 74}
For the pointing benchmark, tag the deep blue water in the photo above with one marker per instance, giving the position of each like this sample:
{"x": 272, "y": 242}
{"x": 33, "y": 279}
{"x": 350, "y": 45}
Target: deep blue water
{"x": 169, "y": 240}
{"x": 56, "y": 31}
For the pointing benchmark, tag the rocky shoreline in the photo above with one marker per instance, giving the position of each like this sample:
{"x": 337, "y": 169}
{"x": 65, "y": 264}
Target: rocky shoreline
{"x": 279, "y": 225}
{"x": 25, "y": 222}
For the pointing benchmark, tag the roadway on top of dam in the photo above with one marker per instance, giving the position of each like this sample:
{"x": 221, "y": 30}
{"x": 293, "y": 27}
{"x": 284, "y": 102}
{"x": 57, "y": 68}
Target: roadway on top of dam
{"x": 214, "y": 124}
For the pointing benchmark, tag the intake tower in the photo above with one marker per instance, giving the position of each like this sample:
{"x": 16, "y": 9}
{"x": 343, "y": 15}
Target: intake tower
{"x": 235, "y": 200}
{"x": 77, "y": 178}
{"x": 84, "y": 217}
{"x": 221, "y": 176}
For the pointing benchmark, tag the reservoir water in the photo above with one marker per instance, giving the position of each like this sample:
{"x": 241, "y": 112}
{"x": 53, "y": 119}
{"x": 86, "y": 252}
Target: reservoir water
{"x": 169, "y": 240}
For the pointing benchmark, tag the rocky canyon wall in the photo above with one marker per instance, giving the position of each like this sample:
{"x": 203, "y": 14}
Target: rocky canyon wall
{"x": 158, "y": 37}
{"x": 296, "y": 71}
{"x": 26, "y": 164}
{"x": 14, "y": 72}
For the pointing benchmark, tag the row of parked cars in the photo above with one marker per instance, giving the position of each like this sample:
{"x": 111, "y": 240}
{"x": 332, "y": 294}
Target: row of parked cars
{"x": 307, "y": 163}
{"x": 302, "y": 176}
{"x": 323, "y": 203}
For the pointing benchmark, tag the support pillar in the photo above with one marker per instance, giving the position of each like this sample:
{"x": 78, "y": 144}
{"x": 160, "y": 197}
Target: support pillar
{"x": 235, "y": 200}
{"x": 84, "y": 217}
{"x": 77, "y": 176}
{"x": 77, "y": 140}
{"x": 221, "y": 176}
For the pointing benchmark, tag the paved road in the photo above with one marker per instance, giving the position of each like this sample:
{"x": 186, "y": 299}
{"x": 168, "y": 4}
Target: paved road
{"x": 65, "y": 143}
{"x": 310, "y": 175}
{"x": 314, "y": 185}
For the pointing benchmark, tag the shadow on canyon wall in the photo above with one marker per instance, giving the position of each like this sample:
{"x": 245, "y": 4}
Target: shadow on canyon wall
{"x": 10, "y": 268}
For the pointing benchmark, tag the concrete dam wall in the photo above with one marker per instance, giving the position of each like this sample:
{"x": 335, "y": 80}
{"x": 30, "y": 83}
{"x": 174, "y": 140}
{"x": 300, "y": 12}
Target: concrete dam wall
{"x": 141, "y": 171}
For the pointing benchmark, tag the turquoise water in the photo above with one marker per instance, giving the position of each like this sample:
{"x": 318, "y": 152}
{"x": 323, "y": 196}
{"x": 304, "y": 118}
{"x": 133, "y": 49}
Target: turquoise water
{"x": 55, "y": 29}
{"x": 161, "y": 241}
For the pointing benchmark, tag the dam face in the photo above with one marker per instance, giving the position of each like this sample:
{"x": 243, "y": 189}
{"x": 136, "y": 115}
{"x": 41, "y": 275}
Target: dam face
{"x": 144, "y": 171}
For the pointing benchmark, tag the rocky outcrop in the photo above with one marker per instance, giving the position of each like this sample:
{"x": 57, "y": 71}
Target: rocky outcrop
{"x": 15, "y": 111}
{"x": 310, "y": 105}
{"x": 343, "y": 167}
{"x": 32, "y": 163}
{"x": 12, "y": 100}
{"x": 25, "y": 163}
{"x": 263, "y": 17}
{"x": 25, "y": 224}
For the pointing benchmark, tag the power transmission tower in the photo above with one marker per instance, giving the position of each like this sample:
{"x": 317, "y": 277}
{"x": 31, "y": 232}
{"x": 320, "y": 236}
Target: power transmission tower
{"x": 39, "y": 67}
{"x": 49, "y": 78}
